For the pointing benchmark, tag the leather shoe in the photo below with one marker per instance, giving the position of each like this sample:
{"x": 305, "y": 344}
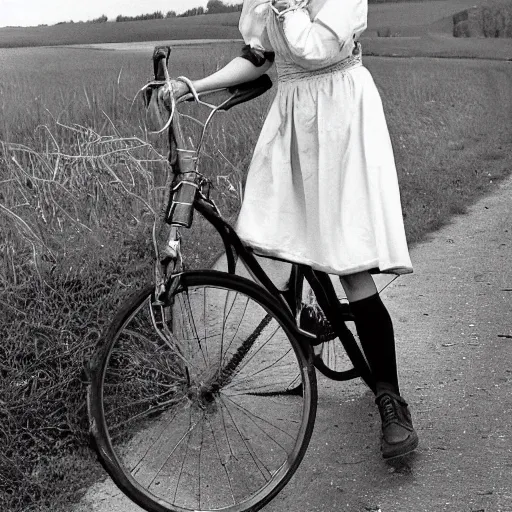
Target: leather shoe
{"x": 398, "y": 434}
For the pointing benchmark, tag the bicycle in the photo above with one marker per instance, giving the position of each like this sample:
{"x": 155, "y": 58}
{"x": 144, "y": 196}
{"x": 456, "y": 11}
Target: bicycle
{"x": 202, "y": 392}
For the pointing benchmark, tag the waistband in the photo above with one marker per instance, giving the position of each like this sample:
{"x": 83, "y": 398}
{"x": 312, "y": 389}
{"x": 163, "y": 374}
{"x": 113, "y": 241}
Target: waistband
{"x": 288, "y": 72}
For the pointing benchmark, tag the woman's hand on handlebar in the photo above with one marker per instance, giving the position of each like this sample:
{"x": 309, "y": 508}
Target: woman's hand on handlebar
{"x": 177, "y": 89}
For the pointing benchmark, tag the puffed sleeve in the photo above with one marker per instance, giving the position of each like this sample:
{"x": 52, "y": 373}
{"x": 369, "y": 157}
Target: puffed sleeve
{"x": 253, "y": 23}
{"x": 330, "y": 35}
{"x": 346, "y": 19}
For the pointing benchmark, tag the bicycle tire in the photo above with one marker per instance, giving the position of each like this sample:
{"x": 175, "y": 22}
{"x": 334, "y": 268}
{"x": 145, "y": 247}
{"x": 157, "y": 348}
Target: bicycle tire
{"x": 340, "y": 358}
{"x": 255, "y": 427}
{"x": 330, "y": 357}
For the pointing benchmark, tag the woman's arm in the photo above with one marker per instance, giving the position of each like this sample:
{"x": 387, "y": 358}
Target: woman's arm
{"x": 331, "y": 32}
{"x": 238, "y": 71}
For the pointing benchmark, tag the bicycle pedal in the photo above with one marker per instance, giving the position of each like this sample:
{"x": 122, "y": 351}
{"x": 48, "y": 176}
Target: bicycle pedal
{"x": 313, "y": 321}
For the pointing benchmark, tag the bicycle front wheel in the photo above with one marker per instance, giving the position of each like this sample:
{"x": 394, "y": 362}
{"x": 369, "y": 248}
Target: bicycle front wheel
{"x": 194, "y": 404}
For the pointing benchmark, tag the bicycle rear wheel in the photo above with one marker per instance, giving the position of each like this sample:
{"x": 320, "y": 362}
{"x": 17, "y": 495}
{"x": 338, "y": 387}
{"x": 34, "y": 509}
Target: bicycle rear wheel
{"x": 192, "y": 405}
{"x": 330, "y": 357}
{"x": 340, "y": 358}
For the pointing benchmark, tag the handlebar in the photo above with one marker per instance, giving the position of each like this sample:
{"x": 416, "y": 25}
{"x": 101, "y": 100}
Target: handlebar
{"x": 182, "y": 206}
{"x": 237, "y": 94}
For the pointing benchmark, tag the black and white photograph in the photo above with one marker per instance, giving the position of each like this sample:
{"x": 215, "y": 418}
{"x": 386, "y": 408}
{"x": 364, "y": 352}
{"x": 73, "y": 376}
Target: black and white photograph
{"x": 256, "y": 255}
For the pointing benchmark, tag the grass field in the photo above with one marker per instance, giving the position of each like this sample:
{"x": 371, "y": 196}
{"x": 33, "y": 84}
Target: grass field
{"x": 79, "y": 177}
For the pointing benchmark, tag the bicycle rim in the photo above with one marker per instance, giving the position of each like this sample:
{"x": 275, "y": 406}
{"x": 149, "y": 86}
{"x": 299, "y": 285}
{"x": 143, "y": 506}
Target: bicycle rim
{"x": 195, "y": 407}
{"x": 331, "y": 358}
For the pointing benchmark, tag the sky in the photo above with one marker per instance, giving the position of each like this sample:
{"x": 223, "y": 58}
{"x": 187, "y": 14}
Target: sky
{"x": 37, "y": 12}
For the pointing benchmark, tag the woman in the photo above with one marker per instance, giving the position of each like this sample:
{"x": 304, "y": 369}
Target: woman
{"x": 322, "y": 187}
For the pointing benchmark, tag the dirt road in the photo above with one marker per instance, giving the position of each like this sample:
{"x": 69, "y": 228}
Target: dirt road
{"x": 453, "y": 320}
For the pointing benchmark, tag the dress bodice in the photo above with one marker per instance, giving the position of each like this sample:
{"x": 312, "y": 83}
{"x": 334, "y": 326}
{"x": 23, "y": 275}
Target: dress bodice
{"x": 290, "y": 65}
{"x": 322, "y": 35}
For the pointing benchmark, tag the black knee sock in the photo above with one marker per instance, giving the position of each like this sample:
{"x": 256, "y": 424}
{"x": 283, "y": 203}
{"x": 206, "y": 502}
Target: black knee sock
{"x": 375, "y": 330}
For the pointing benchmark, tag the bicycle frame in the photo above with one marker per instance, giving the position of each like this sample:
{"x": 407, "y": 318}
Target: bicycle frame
{"x": 187, "y": 196}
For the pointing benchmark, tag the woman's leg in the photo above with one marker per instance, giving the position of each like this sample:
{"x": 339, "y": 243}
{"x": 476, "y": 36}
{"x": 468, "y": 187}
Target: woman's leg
{"x": 375, "y": 330}
{"x": 374, "y": 327}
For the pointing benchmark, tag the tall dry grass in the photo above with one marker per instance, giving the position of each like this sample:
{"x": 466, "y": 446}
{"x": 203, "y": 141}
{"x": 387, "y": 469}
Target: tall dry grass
{"x": 81, "y": 181}
{"x": 75, "y": 225}
{"x": 80, "y": 178}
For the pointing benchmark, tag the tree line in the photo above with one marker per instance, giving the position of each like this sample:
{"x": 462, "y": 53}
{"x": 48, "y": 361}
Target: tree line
{"x": 212, "y": 7}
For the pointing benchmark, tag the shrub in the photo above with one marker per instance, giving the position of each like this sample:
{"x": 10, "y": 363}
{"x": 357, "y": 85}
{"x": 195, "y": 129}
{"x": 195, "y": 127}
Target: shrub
{"x": 487, "y": 21}
{"x": 101, "y": 19}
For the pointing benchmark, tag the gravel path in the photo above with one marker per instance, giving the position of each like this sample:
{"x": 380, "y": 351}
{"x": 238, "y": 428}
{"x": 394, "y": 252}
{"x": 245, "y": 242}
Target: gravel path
{"x": 453, "y": 320}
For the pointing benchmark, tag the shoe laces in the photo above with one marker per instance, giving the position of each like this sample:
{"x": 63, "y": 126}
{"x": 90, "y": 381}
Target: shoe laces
{"x": 387, "y": 410}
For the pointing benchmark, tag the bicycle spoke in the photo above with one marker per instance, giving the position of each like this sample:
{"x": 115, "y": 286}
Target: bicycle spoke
{"x": 223, "y": 465}
{"x": 222, "y": 336}
{"x": 248, "y": 413}
{"x": 135, "y": 469}
{"x": 247, "y": 445}
{"x": 195, "y": 334}
{"x": 174, "y": 449}
{"x": 182, "y": 464}
{"x": 187, "y": 313}
{"x": 204, "y": 324}
{"x": 237, "y": 329}
{"x": 253, "y": 355}
{"x": 247, "y": 378}
{"x": 199, "y": 465}
{"x": 226, "y": 432}
{"x": 146, "y": 414}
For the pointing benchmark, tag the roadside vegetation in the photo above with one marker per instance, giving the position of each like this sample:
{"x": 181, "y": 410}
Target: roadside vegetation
{"x": 80, "y": 181}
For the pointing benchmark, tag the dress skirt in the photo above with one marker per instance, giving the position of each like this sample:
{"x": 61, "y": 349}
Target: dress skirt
{"x": 322, "y": 186}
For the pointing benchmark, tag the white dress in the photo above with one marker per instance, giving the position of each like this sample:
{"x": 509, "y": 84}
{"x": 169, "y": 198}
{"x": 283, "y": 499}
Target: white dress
{"x": 322, "y": 188}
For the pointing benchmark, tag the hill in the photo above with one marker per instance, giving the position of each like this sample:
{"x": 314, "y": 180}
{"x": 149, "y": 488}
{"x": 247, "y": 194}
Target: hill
{"x": 212, "y": 26}
{"x": 395, "y": 18}
{"x": 412, "y": 28}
